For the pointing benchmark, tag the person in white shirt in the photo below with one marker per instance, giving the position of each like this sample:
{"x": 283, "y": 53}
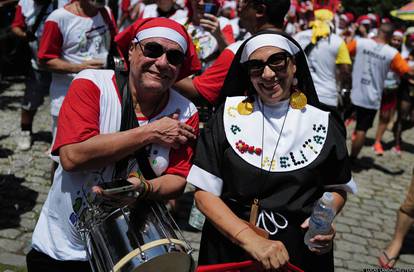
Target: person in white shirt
{"x": 90, "y": 142}
{"x": 27, "y": 25}
{"x": 389, "y": 97}
{"x": 374, "y": 58}
{"x": 326, "y": 53}
{"x": 211, "y": 33}
{"x": 76, "y": 37}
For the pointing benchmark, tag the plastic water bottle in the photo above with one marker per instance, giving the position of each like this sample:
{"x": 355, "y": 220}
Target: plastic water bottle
{"x": 196, "y": 219}
{"x": 321, "y": 219}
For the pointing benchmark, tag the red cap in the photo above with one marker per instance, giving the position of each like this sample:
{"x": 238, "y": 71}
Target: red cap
{"x": 348, "y": 17}
{"x": 161, "y": 28}
{"x": 398, "y": 33}
{"x": 363, "y": 19}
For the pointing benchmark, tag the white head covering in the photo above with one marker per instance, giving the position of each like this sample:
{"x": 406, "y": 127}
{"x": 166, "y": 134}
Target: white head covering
{"x": 268, "y": 40}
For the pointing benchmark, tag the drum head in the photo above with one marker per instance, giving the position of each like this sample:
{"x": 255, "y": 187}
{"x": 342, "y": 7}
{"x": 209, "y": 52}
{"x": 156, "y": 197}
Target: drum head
{"x": 174, "y": 261}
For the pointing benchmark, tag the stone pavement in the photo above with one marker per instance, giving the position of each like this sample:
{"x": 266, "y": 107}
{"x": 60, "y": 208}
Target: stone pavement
{"x": 363, "y": 228}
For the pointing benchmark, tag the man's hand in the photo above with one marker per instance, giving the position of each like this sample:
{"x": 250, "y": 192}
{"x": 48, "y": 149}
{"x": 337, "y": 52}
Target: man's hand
{"x": 211, "y": 24}
{"x": 120, "y": 199}
{"x": 170, "y": 132}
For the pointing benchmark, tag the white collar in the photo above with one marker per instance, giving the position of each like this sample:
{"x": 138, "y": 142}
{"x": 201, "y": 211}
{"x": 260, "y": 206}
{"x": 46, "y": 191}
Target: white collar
{"x": 303, "y": 135}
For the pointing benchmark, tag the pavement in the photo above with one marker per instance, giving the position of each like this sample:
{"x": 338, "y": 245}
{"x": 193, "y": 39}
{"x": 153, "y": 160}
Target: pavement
{"x": 364, "y": 227}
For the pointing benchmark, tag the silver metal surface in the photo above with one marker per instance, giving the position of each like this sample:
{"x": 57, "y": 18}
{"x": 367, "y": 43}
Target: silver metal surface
{"x": 113, "y": 235}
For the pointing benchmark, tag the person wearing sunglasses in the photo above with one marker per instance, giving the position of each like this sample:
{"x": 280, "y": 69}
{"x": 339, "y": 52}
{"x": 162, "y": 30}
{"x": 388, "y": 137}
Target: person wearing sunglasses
{"x": 110, "y": 120}
{"x": 265, "y": 157}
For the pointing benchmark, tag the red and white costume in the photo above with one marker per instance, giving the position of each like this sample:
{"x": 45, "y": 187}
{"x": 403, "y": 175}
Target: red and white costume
{"x": 74, "y": 39}
{"x": 206, "y": 44}
{"x": 93, "y": 107}
{"x": 25, "y": 17}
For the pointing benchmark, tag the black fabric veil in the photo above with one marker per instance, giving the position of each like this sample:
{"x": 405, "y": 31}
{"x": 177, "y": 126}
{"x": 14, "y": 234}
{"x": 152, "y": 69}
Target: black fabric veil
{"x": 237, "y": 81}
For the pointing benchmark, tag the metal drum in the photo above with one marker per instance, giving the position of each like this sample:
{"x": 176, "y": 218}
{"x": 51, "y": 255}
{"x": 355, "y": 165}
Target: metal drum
{"x": 143, "y": 238}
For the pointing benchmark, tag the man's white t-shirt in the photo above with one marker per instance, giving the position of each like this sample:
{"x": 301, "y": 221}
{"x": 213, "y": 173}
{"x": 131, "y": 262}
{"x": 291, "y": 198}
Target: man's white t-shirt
{"x": 372, "y": 63}
{"x": 74, "y": 39}
{"x": 322, "y": 64}
{"x": 92, "y": 107}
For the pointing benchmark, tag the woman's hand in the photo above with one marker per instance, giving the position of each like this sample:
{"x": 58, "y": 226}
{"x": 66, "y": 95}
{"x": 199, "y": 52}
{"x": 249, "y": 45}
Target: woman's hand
{"x": 270, "y": 254}
{"x": 324, "y": 242}
{"x": 170, "y": 132}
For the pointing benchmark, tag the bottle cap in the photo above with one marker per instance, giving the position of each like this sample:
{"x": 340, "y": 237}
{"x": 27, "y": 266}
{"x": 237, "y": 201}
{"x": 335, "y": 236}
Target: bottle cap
{"x": 327, "y": 197}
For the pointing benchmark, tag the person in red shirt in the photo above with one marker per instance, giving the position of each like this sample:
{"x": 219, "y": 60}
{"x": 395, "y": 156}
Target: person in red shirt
{"x": 255, "y": 16}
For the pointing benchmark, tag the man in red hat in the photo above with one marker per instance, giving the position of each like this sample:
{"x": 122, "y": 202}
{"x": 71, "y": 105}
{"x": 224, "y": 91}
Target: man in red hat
{"x": 93, "y": 150}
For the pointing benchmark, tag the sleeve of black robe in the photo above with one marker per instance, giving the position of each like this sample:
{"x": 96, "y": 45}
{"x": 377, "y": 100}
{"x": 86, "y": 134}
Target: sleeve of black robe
{"x": 206, "y": 172}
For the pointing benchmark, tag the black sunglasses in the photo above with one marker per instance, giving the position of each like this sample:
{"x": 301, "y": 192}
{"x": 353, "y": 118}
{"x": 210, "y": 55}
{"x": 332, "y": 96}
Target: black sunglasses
{"x": 155, "y": 50}
{"x": 277, "y": 62}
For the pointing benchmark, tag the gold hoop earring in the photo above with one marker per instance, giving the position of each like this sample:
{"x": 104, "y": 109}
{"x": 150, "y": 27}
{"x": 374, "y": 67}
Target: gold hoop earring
{"x": 298, "y": 99}
{"x": 245, "y": 107}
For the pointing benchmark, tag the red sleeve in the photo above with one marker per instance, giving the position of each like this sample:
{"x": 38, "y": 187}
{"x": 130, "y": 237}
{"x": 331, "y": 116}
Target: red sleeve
{"x": 228, "y": 34}
{"x": 125, "y": 6}
{"x": 18, "y": 20}
{"x": 209, "y": 83}
{"x": 181, "y": 159}
{"x": 51, "y": 42}
{"x": 79, "y": 115}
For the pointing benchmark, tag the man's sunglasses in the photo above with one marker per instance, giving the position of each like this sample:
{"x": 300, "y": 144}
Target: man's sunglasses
{"x": 155, "y": 50}
{"x": 277, "y": 62}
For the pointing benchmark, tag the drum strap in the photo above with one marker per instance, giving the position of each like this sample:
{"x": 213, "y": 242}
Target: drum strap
{"x": 129, "y": 121}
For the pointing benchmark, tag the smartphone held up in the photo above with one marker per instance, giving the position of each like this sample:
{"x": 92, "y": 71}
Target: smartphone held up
{"x": 210, "y": 8}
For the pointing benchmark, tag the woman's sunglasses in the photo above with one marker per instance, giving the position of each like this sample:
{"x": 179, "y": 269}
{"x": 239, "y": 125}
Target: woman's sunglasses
{"x": 277, "y": 62}
{"x": 155, "y": 50}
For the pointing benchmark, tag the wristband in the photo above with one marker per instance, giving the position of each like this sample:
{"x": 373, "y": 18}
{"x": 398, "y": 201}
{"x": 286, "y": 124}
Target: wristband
{"x": 240, "y": 231}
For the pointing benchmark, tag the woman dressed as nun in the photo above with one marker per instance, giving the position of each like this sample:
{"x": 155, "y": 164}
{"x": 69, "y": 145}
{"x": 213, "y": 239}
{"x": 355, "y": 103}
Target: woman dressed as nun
{"x": 265, "y": 158}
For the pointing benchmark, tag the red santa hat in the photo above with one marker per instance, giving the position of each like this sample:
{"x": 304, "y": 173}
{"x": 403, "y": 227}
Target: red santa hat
{"x": 161, "y": 28}
{"x": 398, "y": 33}
{"x": 348, "y": 17}
{"x": 364, "y": 19}
{"x": 375, "y": 19}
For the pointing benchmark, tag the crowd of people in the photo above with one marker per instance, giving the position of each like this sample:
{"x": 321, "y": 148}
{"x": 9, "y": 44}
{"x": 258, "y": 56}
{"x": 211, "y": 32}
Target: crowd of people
{"x": 284, "y": 79}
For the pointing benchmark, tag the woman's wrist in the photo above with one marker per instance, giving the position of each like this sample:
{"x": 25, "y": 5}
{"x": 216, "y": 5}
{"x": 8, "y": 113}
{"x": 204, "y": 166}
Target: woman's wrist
{"x": 244, "y": 236}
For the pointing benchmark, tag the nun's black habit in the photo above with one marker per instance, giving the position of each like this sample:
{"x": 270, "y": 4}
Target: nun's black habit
{"x": 286, "y": 189}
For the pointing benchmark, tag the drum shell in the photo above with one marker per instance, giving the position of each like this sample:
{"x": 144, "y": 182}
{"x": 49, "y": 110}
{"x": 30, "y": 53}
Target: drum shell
{"x": 124, "y": 231}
